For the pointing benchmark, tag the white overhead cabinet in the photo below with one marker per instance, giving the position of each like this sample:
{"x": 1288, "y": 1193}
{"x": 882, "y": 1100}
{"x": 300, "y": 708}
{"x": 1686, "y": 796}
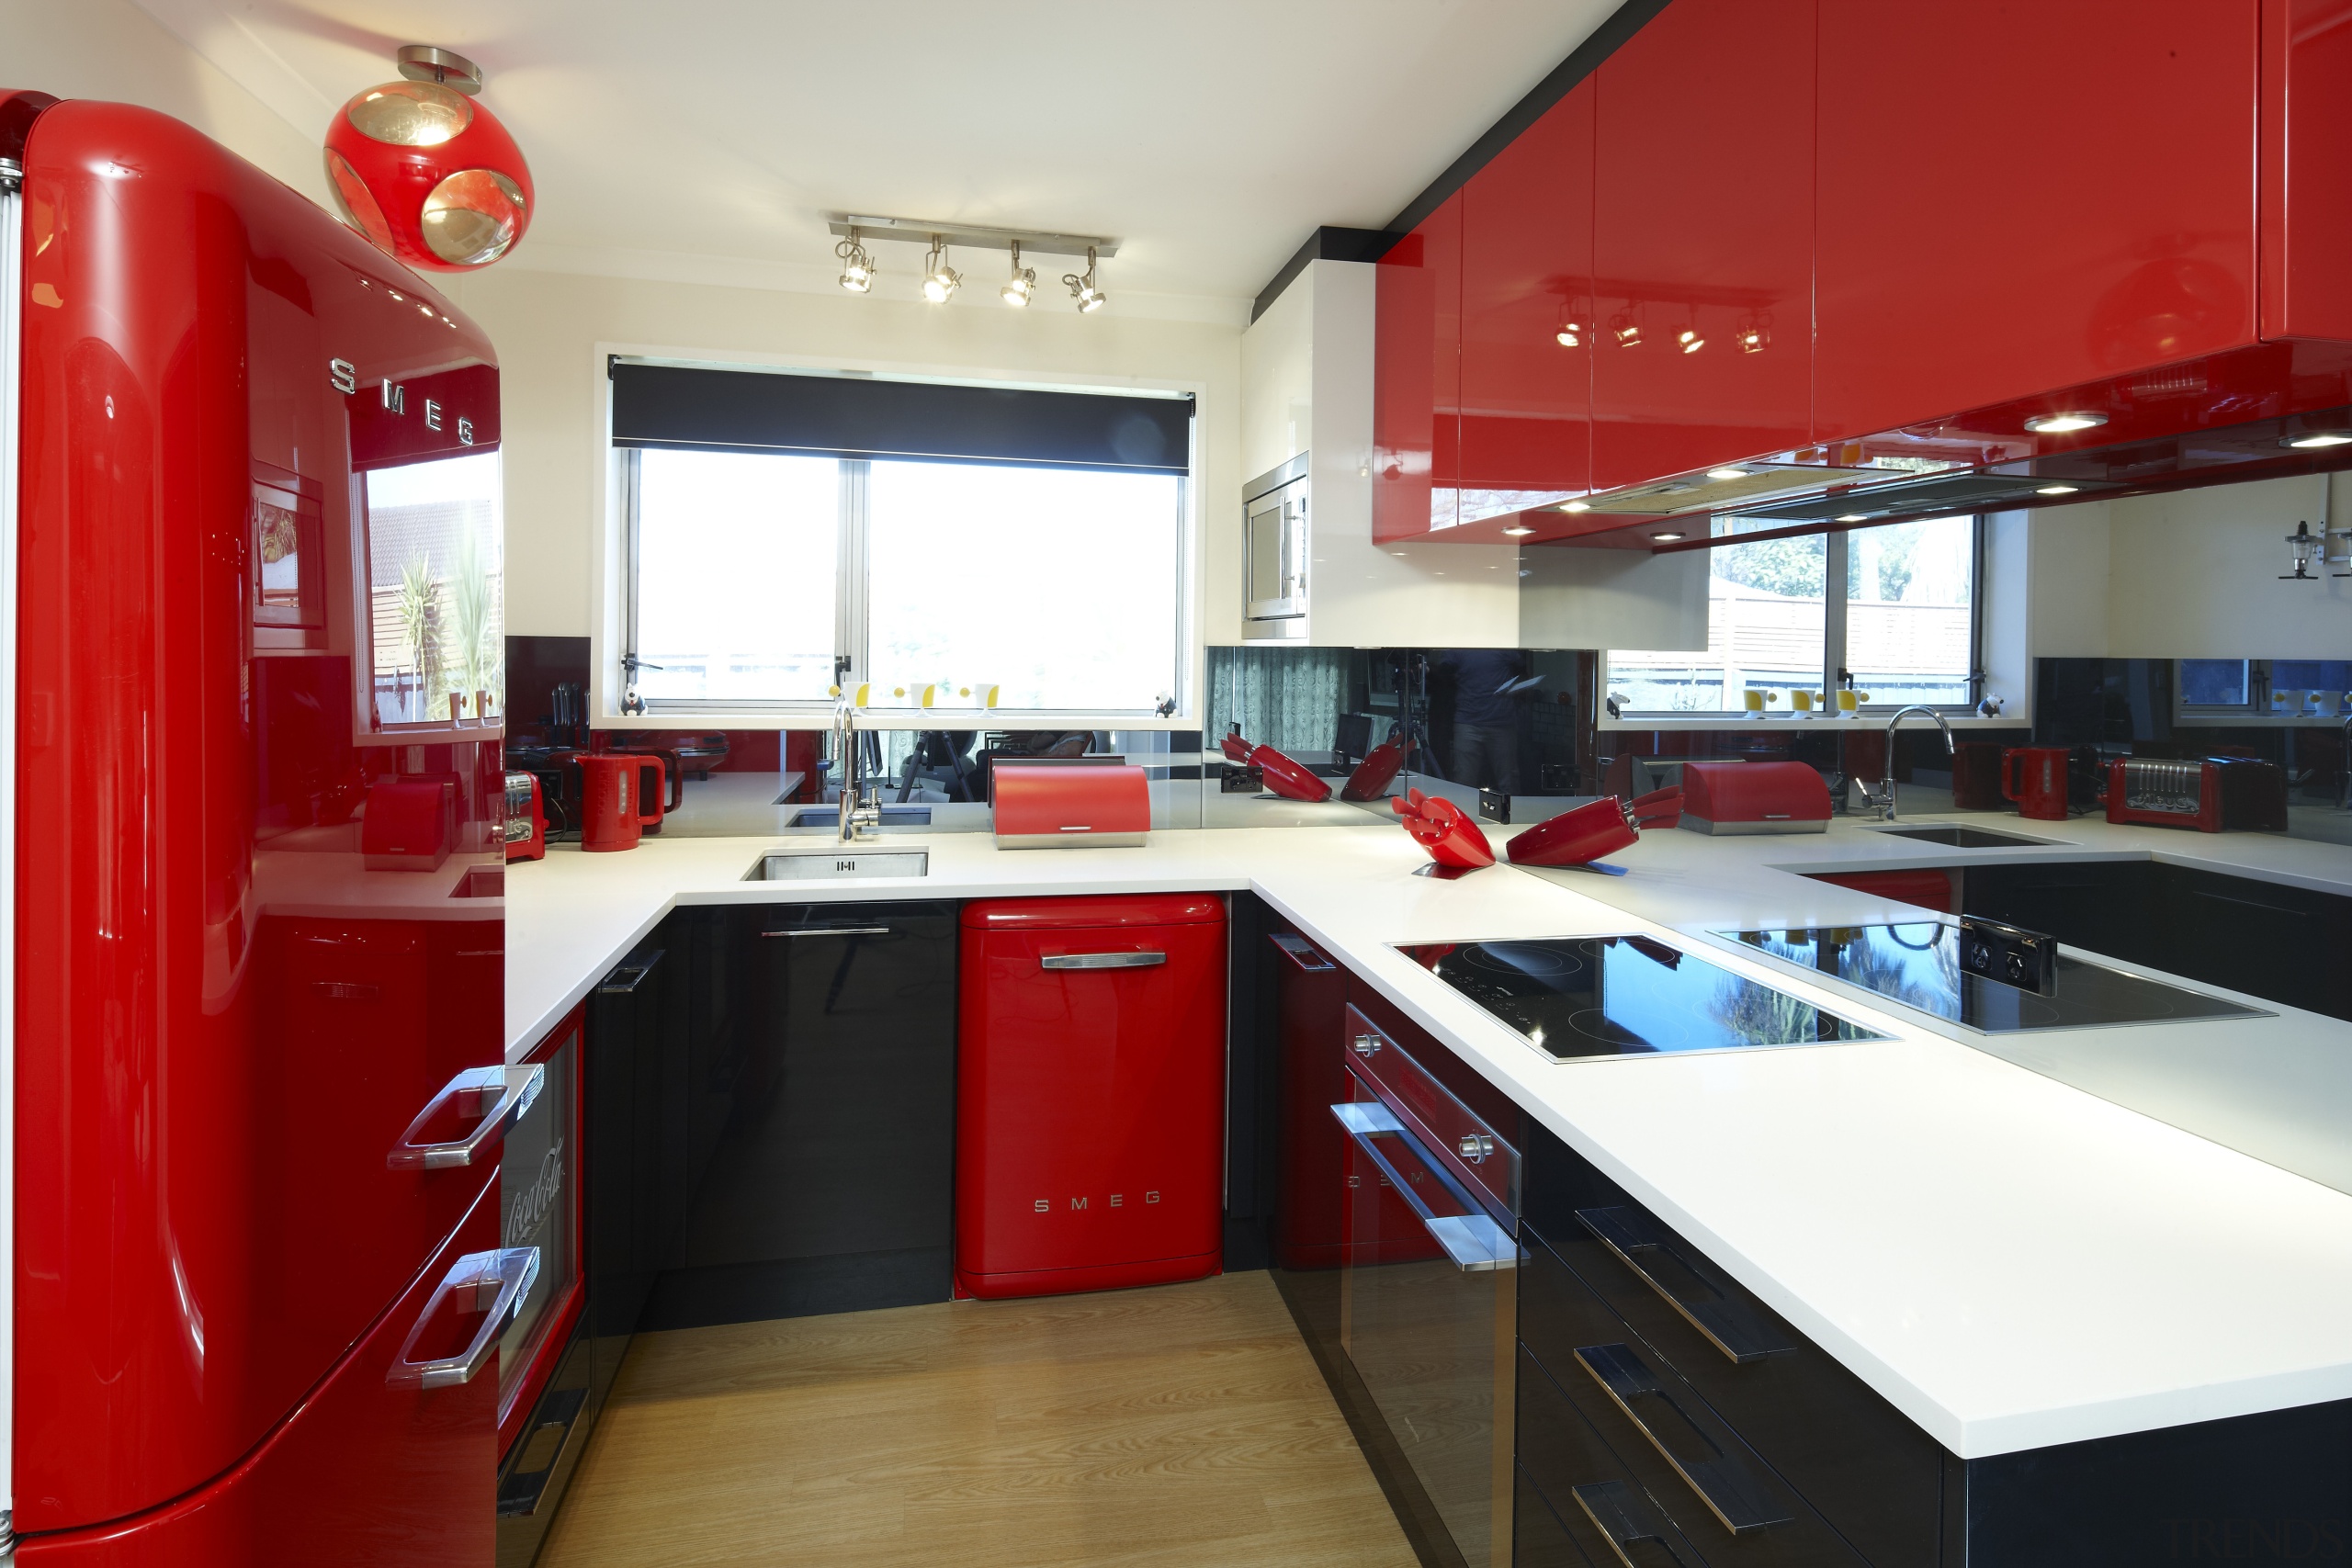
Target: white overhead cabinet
{"x": 1307, "y": 391}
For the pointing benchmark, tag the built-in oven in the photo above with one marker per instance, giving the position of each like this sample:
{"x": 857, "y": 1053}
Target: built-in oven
{"x": 1428, "y": 1303}
{"x": 1274, "y": 539}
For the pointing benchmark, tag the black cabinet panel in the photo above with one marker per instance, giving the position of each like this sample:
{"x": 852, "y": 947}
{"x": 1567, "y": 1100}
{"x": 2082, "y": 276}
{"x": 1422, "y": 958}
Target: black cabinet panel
{"x": 1576, "y": 1502}
{"x": 2108, "y": 907}
{"x": 1872, "y": 1473}
{"x": 2268, "y": 1488}
{"x": 829, "y": 1184}
{"x": 633, "y": 1164}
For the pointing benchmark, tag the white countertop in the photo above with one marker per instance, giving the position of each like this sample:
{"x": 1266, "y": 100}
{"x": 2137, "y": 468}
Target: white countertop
{"x": 2010, "y": 1260}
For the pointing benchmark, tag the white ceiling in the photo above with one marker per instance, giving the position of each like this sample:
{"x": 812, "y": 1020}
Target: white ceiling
{"x": 704, "y": 140}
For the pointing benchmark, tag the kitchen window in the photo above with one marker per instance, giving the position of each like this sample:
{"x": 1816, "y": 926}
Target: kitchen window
{"x": 752, "y": 567}
{"x": 1906, "y": 626}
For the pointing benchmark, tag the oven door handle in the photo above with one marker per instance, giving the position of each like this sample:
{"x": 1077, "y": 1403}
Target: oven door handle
{"x": 498, "y": 1095}
{"x": 1139, "y": 959}
{"x": 1473, "y": 1241}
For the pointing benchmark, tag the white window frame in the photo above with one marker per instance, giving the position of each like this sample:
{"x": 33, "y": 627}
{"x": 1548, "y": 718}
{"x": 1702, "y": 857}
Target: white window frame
{"x": 1836, "y": 570}
{"x": 851, "y": 592}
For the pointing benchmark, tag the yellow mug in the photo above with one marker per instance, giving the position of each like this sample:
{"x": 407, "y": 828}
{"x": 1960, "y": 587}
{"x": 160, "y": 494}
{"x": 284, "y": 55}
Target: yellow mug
{"x": 1800, "y": 701}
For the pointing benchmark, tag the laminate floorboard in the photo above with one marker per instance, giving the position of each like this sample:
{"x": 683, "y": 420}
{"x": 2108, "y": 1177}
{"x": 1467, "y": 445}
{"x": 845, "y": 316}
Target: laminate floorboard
{"x": 1180, "y": 1425}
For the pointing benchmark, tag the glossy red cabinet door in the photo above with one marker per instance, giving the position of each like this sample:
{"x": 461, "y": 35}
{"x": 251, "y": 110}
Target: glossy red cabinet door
{"x": 1417, "y": 379}
{"x": 2307, "y": 168}
{"x": 2018, "y": 195}
{"x": 1702, "y": 225}
{"x": 366, "y": 1472}
{"x": 1526, "y": 283}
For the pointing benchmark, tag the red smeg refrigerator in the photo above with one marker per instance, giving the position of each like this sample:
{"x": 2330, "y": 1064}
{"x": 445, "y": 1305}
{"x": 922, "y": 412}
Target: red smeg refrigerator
{"x": 252, "y": 741}
{"x": 1089, "y": 1093}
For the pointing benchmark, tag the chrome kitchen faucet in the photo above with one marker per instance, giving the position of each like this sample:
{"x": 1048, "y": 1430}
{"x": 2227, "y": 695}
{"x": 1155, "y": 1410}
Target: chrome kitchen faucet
{"x": 856, "y": 818}
{"x": 1881, "y": 802}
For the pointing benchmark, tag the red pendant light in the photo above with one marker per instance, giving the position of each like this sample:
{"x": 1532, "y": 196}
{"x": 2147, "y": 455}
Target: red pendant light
{"x": 427, "y": 172}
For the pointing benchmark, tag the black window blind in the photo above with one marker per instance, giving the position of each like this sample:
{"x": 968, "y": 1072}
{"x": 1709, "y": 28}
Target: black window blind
{"x": 850, "y": 416}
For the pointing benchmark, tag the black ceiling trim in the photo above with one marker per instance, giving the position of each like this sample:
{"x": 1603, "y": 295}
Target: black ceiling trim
{"x": 1324, "y": 244}
{"x": 1582, "y": 61}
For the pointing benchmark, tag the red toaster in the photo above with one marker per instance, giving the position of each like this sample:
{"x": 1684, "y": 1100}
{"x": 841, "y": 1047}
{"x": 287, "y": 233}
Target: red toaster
{"x": 1065, "y": 805}
{"x": 527, "y": 818}
{"x": 1754, "y": 797}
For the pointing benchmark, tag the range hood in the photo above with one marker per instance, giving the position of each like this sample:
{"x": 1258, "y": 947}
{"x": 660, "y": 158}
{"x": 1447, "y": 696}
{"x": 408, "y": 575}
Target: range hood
{"x": 2266, "y": 412}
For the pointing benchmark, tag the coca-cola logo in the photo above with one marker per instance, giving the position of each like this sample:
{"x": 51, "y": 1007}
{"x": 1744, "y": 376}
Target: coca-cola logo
{"x": 528, "y": 1211}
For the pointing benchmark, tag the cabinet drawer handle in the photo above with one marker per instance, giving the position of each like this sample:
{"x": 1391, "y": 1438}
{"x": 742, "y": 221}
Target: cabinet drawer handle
{"x": 1617, "y": 1514}
{"x": 1724, "y": 1324}
{"x": 497, "y": 1096}
{"x": 1472, "y": 1240}
{"x": 491, "y": 1283}
{"x": 1366, "y": 1044}
{"x": 1301, "y": 952}
{"x": 1715, "y": 1476}
{"x": 831, "y": 930}
{"x": 1101, "y": 959}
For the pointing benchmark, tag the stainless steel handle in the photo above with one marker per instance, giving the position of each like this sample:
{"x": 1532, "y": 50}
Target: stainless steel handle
{"x": 1720, "y": 1481}
{"x": 497, "y": 1095}
{"x": 1366, "y": 1044}
{"x": 1101, "y": 959}
{"x": 1618, "y": 1513}
{"x": 1476, "y": 1147}
{"x": 497, "y": 1283}
{"x": 1301, "y": 952}
{"x": 831, "y": 930}
{"x": 1473, "y": 1241}
{"x": 1724, "y": 1324}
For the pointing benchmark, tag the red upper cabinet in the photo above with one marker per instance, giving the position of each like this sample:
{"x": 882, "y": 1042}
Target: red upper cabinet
{"x": 1702, "y": 225}
{"x": 2307, "y": 168}
{"x": 2016, "y": 196}
{"x": 1417, "y": 379}
{"x": 1527, "y": 315}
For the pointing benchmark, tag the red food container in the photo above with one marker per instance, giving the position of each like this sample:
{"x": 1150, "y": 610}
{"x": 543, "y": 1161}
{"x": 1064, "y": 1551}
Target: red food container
{"x": 409, "y": 825}
{"x": 1754, "y": 797}
{"x": 1090, "y": 1094}
{"x": 1048, "y": 805}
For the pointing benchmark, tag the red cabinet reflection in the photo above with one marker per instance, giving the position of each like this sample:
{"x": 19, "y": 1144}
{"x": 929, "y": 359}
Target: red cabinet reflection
{"x": 1527, "y": 316}
{"x": 1702, "y": 239}
{"x": 1417, "y": 379}
{"x": 2023, "y": 197}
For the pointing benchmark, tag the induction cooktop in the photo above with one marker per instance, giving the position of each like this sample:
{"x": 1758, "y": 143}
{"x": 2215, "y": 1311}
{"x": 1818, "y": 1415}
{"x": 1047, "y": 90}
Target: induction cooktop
{"x": 1573, "y": 998}
{"x": 1918, "y": 965}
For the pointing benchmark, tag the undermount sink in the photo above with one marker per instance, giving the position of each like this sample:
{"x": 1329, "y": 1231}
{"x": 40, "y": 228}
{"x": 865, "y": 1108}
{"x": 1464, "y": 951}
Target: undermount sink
{"x": 830, "y": 816}
{"x": 806, "y": 865}
{"x": 1962, "y": 837}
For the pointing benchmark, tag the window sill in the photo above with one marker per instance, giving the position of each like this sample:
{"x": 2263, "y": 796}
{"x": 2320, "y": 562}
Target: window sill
{"x": 1800, "y": 722}
{"x": 820, "y": 716}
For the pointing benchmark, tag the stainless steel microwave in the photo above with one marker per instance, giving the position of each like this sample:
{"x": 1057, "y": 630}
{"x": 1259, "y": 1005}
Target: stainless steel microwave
{"x": 1275, "y": 533}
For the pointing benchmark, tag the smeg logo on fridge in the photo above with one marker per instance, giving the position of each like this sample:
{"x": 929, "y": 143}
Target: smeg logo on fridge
{"x": 344, "y": 376}
{"x": 1079, "y": 1204}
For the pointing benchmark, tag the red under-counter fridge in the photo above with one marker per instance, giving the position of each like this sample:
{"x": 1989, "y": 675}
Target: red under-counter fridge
{"x": 253, "y": 1237}
{"x": 1089, "y": 1093}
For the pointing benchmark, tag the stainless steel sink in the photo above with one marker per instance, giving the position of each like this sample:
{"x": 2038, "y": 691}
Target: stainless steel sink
{"x": 807, "y": 866}
{"x": 1962, "y": 837}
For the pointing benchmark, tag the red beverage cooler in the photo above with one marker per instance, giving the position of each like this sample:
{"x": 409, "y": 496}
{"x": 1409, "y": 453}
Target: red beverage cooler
{"x": 256, "y": 1004}
{"x": 1089, "y": 1093}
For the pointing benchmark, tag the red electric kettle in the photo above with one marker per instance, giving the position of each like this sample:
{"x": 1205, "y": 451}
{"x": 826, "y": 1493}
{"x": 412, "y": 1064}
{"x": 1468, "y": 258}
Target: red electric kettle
{"x": 2035, "y": 778}
{"x": 609, "y": 817}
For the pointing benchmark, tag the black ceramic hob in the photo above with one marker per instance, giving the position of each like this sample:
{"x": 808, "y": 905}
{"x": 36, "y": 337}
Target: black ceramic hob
{"x": 1918, "y": 965}
{"x": 1625, "y": 995}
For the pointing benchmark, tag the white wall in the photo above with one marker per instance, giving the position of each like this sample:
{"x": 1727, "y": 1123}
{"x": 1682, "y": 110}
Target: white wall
{"x": 110, "y": 49}
{"x": 2194, "y": 574}
{"x": 550, "y": 329}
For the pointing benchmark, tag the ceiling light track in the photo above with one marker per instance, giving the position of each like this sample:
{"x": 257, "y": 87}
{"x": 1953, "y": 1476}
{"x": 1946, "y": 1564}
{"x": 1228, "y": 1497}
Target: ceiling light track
{"x": 928, "y": 234}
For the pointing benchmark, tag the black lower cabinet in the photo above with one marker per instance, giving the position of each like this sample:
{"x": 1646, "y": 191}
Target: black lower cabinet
{"x": 828, "y": 1185}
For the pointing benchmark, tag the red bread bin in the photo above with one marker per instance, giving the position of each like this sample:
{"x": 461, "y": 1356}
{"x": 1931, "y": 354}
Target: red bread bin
{"x": 1089, "y": 1093}
{"x": 1754, "y": 797}
{"x": 1064, "y": 806}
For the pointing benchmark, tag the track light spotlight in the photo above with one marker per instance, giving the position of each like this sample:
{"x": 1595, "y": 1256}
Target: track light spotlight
{"x": 1688, "y": 340}
{"x": 1625, "y": 330}
{"x": 1570, "y": 333}
{"x": 1023, "y": 281}
{"x": 857, "y": 267}
{"x": 1082, "y": 289}
{"x": 940, "y": 281}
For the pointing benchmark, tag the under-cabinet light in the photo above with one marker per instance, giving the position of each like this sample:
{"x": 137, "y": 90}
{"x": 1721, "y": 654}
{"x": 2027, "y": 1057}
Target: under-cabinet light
{"x": 1517, "y": 532}
{"x": 2321, "y": 438}
{"x": 1666, "y": 538}
{"x": 2066, "y": 423}
{"x": 2057, "y": 489}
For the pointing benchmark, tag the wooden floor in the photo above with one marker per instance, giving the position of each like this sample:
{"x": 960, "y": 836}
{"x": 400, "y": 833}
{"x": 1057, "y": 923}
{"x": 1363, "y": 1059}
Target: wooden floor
{"x": 1185, "y": 1424}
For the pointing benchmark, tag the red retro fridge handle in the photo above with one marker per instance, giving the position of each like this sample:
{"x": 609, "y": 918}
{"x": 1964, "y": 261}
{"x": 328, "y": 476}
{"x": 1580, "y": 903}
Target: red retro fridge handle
{"x": 497, "y": 1096}
{"x": 491, "y": 1283}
